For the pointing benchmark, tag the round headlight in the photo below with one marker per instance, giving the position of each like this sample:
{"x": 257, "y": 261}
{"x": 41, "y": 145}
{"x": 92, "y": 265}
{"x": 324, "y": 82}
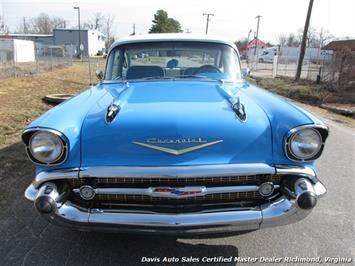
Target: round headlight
{"x": 305, "y": 143}
{"x": 46, "y": 147}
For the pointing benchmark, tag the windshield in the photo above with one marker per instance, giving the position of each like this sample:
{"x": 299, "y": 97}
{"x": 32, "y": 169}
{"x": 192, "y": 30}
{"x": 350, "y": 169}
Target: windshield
{"x": 165, "y": 60}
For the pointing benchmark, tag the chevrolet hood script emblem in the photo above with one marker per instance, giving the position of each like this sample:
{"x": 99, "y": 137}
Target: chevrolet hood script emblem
{"x": 149, "y": 144}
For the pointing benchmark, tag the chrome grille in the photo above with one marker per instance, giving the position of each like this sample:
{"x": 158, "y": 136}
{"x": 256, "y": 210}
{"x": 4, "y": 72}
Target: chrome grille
{"x": 142, "y": 201}
{"x": 220, "y": 197}
{"x": 178, "y": 181}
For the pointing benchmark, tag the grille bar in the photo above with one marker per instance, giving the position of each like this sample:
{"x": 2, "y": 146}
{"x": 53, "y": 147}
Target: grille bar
{"x": 176, "y": 181}
{"x": 215, "y": 198}
{"x": 169, "y": 192}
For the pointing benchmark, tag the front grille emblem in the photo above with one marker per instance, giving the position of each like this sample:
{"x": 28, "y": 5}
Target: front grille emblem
{"x": 183, "y": 192}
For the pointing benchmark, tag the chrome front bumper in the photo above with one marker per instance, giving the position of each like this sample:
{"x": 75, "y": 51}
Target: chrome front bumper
{"x": 281, "y": 211}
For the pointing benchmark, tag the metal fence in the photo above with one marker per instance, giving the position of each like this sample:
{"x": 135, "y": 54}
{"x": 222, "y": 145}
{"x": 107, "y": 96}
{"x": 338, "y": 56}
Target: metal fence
{"x": 287, "y": 68}
{"x": 285, "y": 65}
{"x": 26, "y": 58}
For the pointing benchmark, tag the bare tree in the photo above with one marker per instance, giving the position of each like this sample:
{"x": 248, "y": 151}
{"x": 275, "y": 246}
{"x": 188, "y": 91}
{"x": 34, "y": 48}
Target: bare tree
{"x": 4, "y": 29}
{"x": 24, "y": 26}
{"x": 108, "y": 29}
{"x": 292, "y": 40}
{"x": 325, "y": 37}
{"x": 96, "y": 23}
{"x": 58, "y": 22}
{"x": 242, "y": 43}
{"x": 41, "y": 24}
{"x": 282, "y": 39}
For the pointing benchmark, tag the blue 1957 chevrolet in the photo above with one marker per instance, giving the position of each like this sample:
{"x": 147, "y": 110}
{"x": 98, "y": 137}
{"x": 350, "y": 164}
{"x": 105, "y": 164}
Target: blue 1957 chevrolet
{"x": 173, "y": 140}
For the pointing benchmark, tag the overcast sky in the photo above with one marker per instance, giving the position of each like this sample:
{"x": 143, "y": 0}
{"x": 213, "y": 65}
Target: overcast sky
{"x": 232, "y": 19}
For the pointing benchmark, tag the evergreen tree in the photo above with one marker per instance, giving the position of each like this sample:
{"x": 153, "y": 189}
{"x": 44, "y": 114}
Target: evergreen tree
{"x": 163, "y": 24}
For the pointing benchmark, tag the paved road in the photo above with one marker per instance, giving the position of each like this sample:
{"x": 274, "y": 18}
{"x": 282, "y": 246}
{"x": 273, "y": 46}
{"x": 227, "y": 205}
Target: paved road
{"x": 328, "y": 232}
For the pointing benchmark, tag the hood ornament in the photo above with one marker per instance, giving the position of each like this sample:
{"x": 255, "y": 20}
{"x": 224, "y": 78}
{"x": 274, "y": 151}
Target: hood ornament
{"x": 239, "y": 110}
{"x": 111, "y": 113}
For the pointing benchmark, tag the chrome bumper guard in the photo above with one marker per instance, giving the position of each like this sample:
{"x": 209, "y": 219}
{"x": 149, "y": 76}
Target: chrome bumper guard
{"x": 282, "y": 211}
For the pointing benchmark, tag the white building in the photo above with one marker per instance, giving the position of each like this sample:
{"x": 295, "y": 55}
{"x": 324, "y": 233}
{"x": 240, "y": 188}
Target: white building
{"x": 93, "y": 41}
{"x": 18, "y": 51}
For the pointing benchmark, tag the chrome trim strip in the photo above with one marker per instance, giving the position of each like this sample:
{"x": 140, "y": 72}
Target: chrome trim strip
{"x": 281, "y": 212}
{"x": 224, "y": 221}
{"x": 55, "y": 175}
{"x": 297, "y": 170}
{"x": 175, "y": 171}
{"x": 31, "y": 192}
{"x": 319, "y": 189}
{"x": 150, "y": 191}
{"x": 178, "y": 171}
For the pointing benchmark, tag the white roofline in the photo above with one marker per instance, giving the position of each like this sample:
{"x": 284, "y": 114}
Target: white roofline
{"x": 25, "y": 35}
{"x": 172, "y": 37}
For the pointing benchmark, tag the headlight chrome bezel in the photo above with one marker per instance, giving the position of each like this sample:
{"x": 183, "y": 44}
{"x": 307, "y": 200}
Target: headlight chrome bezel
{"x": 27, "y": 136}
{"x": 321, "y": 130}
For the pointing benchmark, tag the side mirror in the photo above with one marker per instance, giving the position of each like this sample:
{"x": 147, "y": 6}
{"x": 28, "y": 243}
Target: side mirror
{"x": 99, "y": 74}
{"x": 245, "y": 72}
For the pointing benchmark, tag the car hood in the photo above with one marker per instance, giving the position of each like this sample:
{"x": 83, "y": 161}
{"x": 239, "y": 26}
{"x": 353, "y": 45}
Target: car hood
{"x": 174, "y": 123}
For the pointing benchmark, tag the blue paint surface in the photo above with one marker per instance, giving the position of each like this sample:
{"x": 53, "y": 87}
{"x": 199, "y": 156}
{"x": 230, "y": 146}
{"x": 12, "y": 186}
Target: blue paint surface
{"x": 174, "y": 109}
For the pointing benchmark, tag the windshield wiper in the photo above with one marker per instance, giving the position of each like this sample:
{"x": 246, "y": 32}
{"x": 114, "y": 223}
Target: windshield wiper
{"x": 191, "y": 76}
{"x": 157, "y": 77}
{"x": 177, "y": 77}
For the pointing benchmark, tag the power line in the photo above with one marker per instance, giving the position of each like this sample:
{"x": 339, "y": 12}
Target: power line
{"x": 207, "y": 19}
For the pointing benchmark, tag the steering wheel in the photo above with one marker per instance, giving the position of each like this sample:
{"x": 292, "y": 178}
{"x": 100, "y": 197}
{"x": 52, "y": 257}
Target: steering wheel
{"x": 207, "y": 69}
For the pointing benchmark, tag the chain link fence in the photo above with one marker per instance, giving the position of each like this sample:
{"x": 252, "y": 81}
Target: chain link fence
{"x": 272, "y": 63}
{"x": 22, "y": 58}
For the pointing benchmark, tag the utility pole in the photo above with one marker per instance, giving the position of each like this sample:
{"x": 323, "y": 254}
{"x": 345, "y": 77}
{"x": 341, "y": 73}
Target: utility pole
{"x": 303, "y": 44}
{"x": 25, "y": 29}
{"x": 257, "y": 34}
{"x": 134, "y": 29}
{"x": 250, "y": 31}
{"x": 207, "y": 19}
{"x": 79, "y": 50}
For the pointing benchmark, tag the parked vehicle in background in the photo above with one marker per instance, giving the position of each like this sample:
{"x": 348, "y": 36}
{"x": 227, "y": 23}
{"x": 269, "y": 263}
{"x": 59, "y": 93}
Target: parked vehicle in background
{"x": 267, "y": 56}
{"x": 290, "y": 54}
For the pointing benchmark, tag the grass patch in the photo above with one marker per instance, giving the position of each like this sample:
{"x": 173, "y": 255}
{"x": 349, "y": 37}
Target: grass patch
{"x": 310, "y": 94}
{"x": 303, "y": 91}
{"x": 21, "y": 98}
